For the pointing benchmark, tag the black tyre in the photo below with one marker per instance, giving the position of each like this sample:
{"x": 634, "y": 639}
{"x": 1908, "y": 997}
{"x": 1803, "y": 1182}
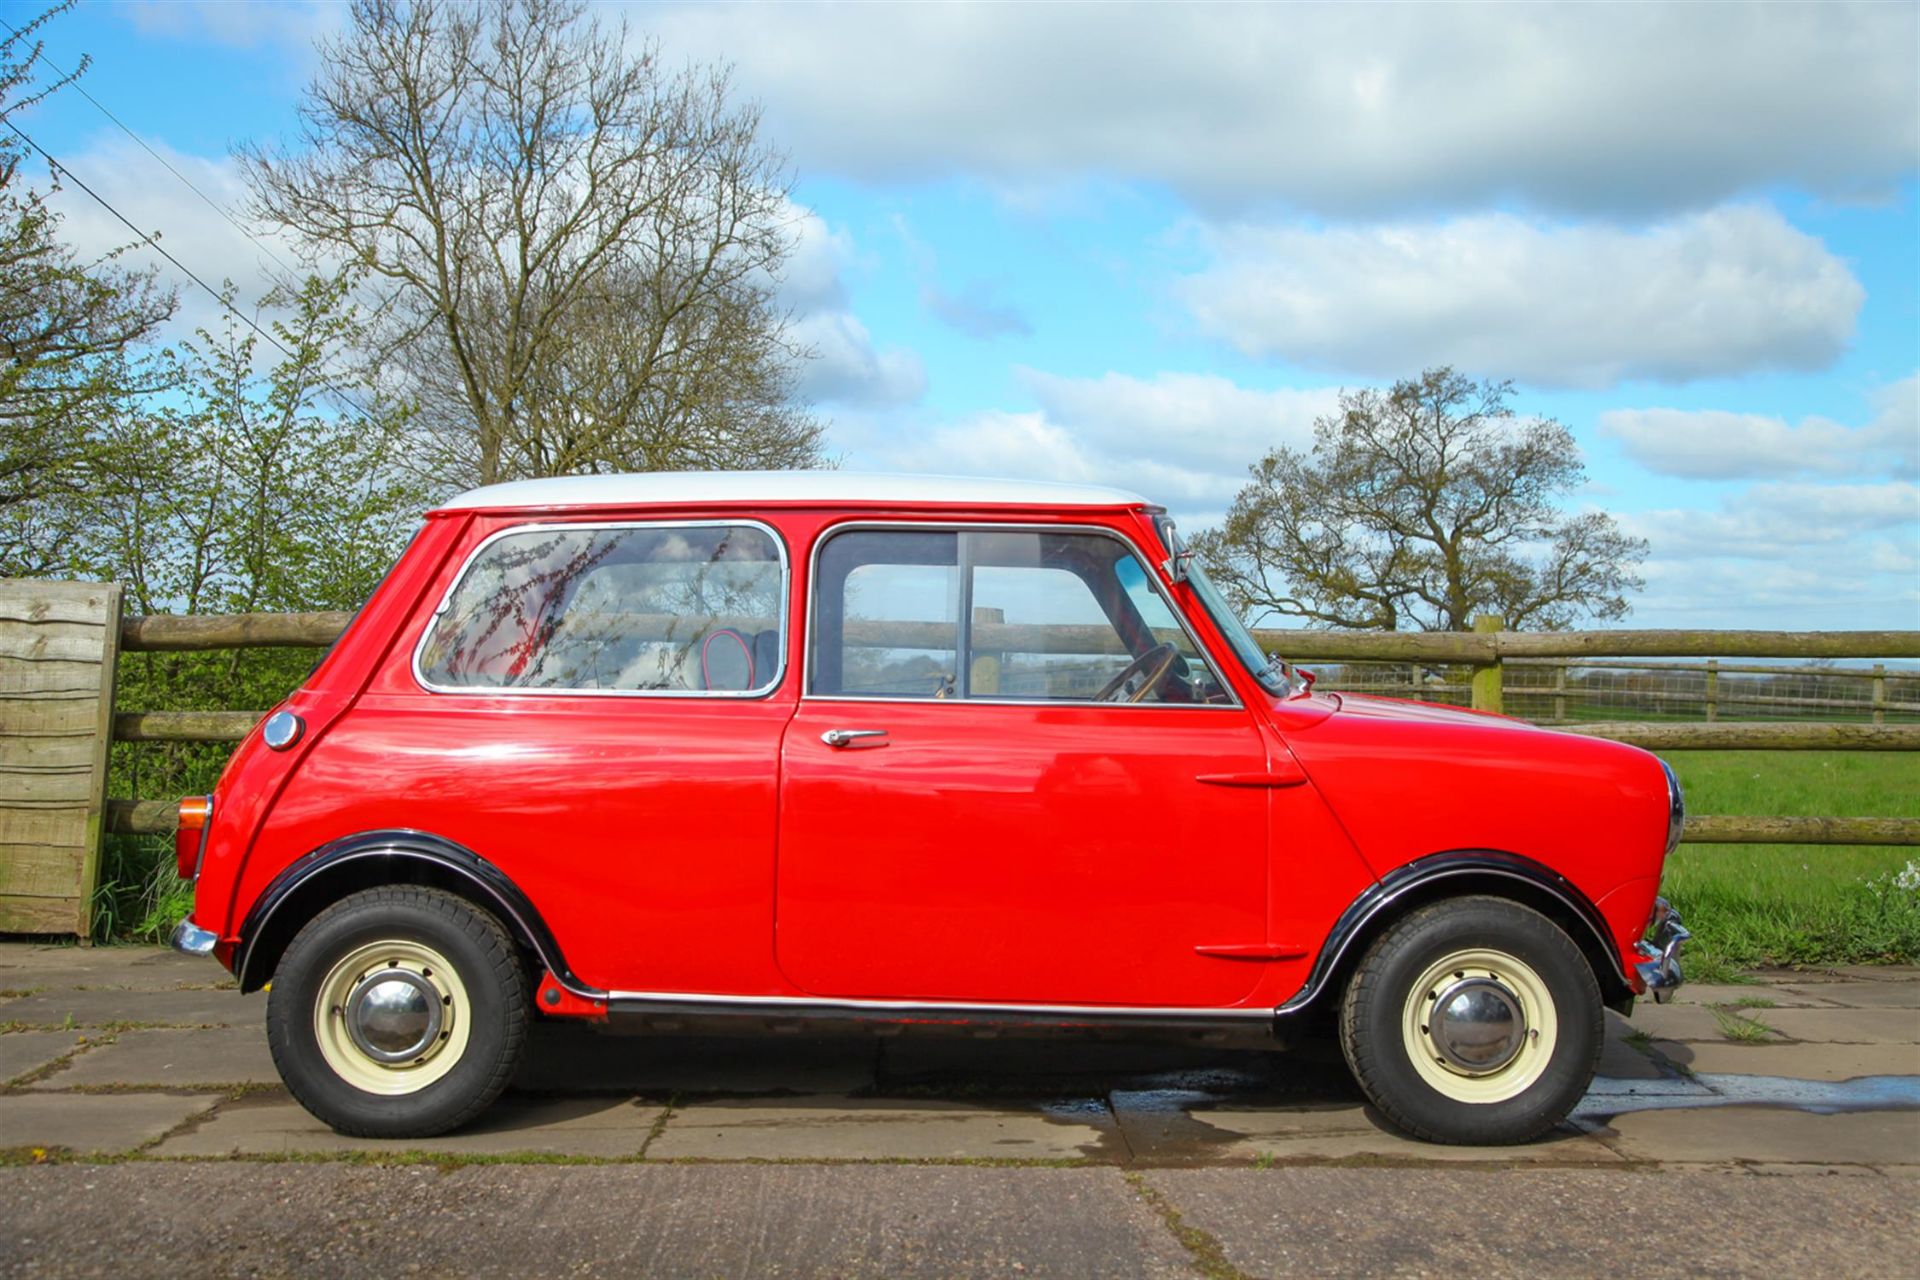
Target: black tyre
{"x": 398, "y": 1012}
{"x": 1473, "y": 1021}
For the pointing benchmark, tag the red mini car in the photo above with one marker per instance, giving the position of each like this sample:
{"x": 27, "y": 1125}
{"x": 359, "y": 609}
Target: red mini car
{"x": 847, "y": 748}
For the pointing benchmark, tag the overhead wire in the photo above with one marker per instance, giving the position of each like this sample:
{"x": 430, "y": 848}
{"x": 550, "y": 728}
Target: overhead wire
{"x": 151, "y": 239}
{"x": 74, "y": 83}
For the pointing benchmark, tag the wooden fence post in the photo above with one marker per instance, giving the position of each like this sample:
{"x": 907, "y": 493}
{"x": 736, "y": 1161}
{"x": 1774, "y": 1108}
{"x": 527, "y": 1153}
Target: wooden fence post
{"x": 1713, "y": 689}
{"x": 1560, "y": 690}
{"x": 1486, "y": 680}
{"x": 1879, "y": 693}
{"x": 59, "y": 643}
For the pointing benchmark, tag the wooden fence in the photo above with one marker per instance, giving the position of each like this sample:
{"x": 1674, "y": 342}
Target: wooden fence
{"x": 1486, "y": 665}
{"x": 57, "y": 649}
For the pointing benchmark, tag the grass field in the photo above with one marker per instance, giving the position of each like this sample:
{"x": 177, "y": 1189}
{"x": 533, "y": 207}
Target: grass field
{"x": 1796, "y": 904}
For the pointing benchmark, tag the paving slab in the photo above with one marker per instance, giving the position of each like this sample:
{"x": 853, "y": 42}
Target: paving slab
{"x": 172, "y": 1059}
{"x": 1847, "y": 1026}
{"x": 94, "y": 1122}
{"x": 878, "y": 1129}
{"x": 1619, "y": 1058}
{"x": 1859, "y": 995}
{"x": 1161, "y": 1128}
{"x": 1767, "y": 1135}
{"x": 45, "y": 957}
{"x": 599, "y": 1128}
{"x": 1544, "y": 1222}
{"x": 628, "y": 1220}
{"x": 140, "y": 968}
{"x": 1677, "y": 1021}
{"x": 564, "y": 1058}
{"x": 103, "y": 1007}
{"x": 24, "y": 1051}
{"x": 1794, "y": 1061}
{"x": 1728, "y": 993}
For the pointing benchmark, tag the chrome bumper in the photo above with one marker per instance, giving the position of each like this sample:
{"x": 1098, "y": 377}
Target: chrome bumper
{"x": 1660, "y": 969}
{"x": 191, "y": 939}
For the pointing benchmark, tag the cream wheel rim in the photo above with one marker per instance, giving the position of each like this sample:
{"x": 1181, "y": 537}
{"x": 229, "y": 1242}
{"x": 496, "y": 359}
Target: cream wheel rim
{"x": 1480, "y": 1026}
{"x": 392, "y": 1017}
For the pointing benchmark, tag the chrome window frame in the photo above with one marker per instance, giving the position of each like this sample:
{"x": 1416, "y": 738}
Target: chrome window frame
{"x": 784, "y": 613}
{"x": 831, "y": 531}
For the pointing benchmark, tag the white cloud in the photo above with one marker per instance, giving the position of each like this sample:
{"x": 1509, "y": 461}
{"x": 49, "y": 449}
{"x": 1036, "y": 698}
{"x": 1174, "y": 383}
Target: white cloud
{"x": 1182, "y": 439}
{"x": 1781, "y": 521}
{"x": 154, "y": 200}
{"x": 1202, "y": 423}
{"x": 296, "y": 23}
{"x": 1792, "y": 556}
{"x": 845, "y": 367}
{"x": 1715, "y": 445}
{"x": 1720, "y": 293}
{"x": 1340, "y": 109}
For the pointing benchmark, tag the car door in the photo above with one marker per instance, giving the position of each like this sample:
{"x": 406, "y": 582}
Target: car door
{"x": 963, "y": 818}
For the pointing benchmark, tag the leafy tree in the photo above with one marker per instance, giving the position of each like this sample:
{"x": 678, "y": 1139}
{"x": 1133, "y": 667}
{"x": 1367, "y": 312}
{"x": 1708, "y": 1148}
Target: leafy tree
{"x": 252, "y": 486}
{"x": 1417, "y": 508}
{"x": 578, "y": 249}
{"x": 72, "y": 330}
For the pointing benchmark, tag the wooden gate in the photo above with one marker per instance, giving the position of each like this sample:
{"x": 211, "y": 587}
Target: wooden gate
{"x": 59, "y": 642}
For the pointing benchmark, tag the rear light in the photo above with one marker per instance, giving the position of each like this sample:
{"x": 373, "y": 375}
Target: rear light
{"x": 190, "y": 835}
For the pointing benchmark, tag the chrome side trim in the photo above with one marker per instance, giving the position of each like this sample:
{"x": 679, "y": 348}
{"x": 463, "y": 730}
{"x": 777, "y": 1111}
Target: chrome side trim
{"x": 491, "y": 691}
{"x": 190, "y": 939}
{"x": 923, "y": 1008}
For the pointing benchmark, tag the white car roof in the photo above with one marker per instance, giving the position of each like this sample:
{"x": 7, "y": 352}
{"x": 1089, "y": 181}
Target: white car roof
{"x": 691, "y": 488}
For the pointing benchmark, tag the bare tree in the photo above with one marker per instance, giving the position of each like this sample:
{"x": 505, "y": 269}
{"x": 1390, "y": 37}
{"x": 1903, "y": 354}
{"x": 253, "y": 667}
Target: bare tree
{"x": 1418, "y": 508}
{"x": 579, "y": 249}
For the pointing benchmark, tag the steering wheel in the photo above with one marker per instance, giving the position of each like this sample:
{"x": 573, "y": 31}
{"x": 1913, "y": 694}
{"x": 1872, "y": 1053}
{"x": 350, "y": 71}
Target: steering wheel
{"x": 1153, "y": 664}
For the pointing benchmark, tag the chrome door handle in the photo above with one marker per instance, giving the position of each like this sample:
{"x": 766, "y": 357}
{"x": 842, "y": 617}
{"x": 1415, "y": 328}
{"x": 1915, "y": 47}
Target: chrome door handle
{"x": 841, "y": 737}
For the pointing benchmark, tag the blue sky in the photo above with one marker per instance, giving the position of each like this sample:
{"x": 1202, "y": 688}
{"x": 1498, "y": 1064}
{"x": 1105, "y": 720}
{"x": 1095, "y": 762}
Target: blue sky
{"x": 1141, "y": 244}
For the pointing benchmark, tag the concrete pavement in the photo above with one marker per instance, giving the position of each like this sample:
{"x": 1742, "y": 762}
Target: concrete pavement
{"x": 1066, "y": 1158}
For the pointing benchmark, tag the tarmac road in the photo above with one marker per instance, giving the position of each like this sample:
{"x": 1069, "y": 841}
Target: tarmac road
{"x": 231, "y": 1219}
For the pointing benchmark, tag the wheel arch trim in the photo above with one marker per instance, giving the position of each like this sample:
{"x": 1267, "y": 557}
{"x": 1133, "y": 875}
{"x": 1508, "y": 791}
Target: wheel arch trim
{"x": 411, "y": 850}
{"x": 1385, "y": 895}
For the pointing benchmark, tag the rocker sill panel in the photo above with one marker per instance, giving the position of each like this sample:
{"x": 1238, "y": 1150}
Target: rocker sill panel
{"x": 916, "y": 1008}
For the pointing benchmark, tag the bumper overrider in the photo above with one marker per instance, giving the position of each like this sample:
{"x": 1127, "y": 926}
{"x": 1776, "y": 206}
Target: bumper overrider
{"x": 191, "y": 939}
{"x": 1660, "y": 967}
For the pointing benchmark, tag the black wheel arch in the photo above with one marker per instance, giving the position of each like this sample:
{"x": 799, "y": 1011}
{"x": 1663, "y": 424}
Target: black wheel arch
{"x": 1456, "y": 873}
{"x": 398, "y": 856}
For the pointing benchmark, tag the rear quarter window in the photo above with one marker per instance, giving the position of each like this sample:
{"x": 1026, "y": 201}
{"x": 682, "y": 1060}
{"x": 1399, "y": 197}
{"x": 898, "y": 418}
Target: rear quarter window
{"x": 671, "y": 609}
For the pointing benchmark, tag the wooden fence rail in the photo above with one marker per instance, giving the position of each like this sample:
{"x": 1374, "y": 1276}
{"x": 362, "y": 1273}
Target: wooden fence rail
{"x": 1484, "y": 652}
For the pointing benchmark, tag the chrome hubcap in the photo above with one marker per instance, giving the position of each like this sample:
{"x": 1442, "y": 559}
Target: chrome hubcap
{"x": 393, "y": 1015}
{"x": 1477, "y": 1026}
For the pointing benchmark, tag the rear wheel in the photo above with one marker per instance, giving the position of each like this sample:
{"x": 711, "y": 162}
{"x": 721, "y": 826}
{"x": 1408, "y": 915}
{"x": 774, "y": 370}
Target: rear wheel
{"x": 398, "y": 1012}
{"x": 1475, "y": 1021}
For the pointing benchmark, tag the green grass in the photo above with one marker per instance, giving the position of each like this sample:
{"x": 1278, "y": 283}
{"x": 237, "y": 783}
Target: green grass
{"x": 1796, "y": 904}
{"x": 1741, "y": 1029}
{"x": 139, "y": 898}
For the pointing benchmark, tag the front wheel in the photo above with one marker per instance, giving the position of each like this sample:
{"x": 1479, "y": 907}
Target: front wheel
{"x": 398, "y": 1012}
{"x": 1474, "y": 1021}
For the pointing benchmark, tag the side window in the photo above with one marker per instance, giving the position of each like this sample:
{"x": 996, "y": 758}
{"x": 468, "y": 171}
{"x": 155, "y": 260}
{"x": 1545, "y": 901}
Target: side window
{"x": 670, "y": 609}
{"x": 887, "y": 617}
{"x": 1050, "y": 617}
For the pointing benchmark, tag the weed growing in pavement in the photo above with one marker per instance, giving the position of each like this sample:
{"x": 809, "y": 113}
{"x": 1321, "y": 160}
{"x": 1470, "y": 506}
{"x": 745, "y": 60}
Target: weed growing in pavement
{"x": 1742, "y": 1029}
